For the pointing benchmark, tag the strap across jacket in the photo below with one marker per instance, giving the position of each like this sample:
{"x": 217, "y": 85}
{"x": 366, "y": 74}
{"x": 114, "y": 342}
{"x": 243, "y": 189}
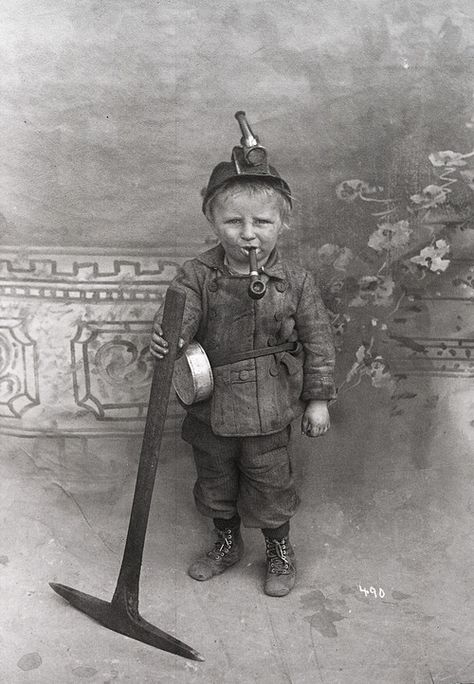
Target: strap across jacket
{"x": 223, "y": 359}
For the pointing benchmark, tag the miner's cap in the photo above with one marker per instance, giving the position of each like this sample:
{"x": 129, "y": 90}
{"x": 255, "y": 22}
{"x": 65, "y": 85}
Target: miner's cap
{"x": 225, "y": 171}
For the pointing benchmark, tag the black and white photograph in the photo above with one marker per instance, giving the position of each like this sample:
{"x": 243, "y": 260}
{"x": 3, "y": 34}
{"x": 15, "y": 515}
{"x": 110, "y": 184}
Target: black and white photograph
{"x": 237, "y": 341}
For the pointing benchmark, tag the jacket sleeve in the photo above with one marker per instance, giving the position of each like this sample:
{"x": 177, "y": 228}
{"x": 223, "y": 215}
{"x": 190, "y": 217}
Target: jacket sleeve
{"x": 315, "y": 334}
{"x": 187, "y": 280}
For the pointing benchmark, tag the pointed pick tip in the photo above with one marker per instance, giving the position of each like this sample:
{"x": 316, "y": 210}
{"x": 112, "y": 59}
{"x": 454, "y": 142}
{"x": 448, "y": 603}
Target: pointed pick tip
{"x": 58, "y": 588}
{"x": 191, "y": 654}
{"x": 67, "y": 593}
{"x": 63, "y": 590}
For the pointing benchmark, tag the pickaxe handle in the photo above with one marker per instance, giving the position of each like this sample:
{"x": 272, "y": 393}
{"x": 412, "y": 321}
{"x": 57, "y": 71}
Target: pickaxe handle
{"x": 129, "y": 576}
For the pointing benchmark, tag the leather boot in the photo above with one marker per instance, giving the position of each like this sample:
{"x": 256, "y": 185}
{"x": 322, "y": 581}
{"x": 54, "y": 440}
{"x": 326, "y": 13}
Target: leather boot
{"x": 227, "y": 550}
{"x": 281, "y": 568}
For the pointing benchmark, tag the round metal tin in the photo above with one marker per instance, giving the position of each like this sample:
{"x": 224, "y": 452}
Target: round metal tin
{"x": 192, "y": 378}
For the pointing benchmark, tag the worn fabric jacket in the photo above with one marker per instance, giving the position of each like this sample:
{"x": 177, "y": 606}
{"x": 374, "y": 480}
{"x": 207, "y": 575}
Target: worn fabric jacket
{"x": 258, "y": 395}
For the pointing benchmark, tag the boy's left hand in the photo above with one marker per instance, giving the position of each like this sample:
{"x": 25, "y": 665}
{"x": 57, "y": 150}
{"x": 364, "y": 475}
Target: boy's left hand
{"x": 315, "y": 421}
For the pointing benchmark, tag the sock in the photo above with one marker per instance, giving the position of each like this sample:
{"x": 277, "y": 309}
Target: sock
{"x": 228, "y": 523}
{"x": 277, "y": 532}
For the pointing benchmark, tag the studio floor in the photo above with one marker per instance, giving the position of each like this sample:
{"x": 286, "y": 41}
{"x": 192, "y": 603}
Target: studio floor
{"x": 384, "y": 546}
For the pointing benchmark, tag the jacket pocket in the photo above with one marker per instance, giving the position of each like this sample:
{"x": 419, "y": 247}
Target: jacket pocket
{"x": 279, "y": 386}
{"x": 234, "y": 408}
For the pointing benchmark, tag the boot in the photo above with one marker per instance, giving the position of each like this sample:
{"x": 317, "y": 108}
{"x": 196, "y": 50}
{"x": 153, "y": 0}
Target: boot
{"x": 227, "y": 550}
{"x": 281, "y": 568}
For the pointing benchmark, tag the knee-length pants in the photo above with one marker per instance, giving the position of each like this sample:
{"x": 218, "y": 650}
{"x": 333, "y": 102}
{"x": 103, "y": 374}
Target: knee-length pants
{"x": 251, "y": 476}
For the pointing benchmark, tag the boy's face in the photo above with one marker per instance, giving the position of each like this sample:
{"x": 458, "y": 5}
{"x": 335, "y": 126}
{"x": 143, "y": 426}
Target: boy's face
{"x": 242, "y": 220}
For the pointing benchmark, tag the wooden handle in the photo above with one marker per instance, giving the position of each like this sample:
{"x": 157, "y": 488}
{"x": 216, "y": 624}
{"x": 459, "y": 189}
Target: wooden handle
{"x": 127, "y": 585}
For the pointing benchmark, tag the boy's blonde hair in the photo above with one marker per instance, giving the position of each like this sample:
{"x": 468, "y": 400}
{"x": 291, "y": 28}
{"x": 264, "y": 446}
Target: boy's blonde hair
{"x": 254, "y": 186}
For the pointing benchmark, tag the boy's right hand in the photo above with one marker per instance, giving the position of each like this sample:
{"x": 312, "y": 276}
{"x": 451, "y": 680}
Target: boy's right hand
{"x": 158, "y": 344}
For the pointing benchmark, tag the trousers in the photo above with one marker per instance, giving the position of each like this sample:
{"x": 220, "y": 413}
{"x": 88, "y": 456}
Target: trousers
{"x": 251, "y": 476}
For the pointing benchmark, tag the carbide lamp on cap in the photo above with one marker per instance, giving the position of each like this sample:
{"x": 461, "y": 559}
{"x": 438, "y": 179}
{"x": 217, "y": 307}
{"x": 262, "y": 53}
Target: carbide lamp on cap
{"x": 249, "y": 160}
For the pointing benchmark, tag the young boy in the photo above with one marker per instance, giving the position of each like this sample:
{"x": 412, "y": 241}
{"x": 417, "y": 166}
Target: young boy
{"x": 240, "y": 435}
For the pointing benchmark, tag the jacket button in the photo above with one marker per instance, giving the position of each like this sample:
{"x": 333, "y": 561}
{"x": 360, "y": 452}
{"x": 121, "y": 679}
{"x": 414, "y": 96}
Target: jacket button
{"x": 281, "y": 285}
{"x": 212, "y": 287}
{"x": 278, "y": 316}
{"x": 272, "y": 341}
{"x": 244, "y": 375}
{"x": 274, "y": 370}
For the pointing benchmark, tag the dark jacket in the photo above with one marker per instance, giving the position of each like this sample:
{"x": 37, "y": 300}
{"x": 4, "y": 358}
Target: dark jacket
{"x": 259, "y": 395}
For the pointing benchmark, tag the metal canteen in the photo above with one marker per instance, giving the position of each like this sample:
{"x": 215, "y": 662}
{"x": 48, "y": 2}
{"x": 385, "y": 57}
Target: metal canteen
{"x": 192, "y": 379}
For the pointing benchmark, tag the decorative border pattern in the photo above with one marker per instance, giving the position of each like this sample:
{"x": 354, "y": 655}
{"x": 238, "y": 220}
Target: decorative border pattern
{"x": 19, "y": 387}
{"x": 112, "y": 368}
{"x": 127, "y": 281}
{"x": 438, "y": 357}
{"x": 82, "y": 275}
{"x": 96, "y": 372}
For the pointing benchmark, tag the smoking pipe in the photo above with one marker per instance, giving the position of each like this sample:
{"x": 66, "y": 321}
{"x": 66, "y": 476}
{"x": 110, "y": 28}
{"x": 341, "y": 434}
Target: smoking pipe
{"x": 257, "y": 287}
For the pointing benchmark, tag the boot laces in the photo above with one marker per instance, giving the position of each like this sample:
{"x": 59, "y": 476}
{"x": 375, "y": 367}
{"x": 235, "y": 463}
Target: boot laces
{"x": 223, "y": 544}
{"x": 277, "y": 555}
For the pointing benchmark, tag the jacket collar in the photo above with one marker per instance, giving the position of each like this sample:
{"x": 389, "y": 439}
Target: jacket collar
{"x": 214, "y": 258}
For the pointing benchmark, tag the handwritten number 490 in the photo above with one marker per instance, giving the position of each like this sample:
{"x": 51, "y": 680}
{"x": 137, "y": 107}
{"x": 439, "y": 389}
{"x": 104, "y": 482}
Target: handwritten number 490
{"x": 372, "y": 591}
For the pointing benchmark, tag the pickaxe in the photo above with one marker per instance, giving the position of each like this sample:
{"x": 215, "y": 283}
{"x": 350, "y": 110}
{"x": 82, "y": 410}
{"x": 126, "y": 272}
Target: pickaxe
{"x": 121, "y": 614}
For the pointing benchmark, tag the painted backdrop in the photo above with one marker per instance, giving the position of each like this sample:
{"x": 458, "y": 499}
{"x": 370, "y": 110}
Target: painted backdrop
{"x": 113, "y": 113}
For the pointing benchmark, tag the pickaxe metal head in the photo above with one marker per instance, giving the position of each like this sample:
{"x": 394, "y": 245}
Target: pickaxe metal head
{"x": 123, "y": 617}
